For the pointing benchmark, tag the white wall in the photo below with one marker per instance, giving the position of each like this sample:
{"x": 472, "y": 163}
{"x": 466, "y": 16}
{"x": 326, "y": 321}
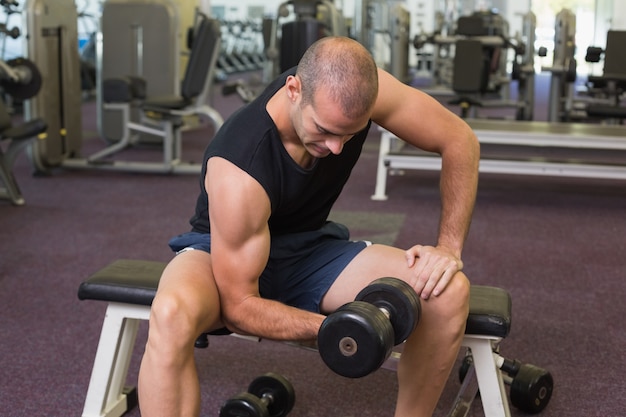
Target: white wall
{"x": 239, "y": 10}
{"x": 619, "y": 15}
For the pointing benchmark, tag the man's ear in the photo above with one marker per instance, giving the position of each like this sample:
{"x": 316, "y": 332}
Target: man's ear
{"x": 293, "y": 88}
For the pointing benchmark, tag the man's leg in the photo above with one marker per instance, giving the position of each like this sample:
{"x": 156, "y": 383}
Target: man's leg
{"x": 430, "y": 352}
{"x": 186, "y": 304}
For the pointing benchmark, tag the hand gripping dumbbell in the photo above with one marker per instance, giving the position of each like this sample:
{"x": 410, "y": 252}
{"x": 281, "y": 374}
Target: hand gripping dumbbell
{"x": 357, "y": 338}
{"x": 269, "y": 395}
{"x": 531, "y": 386}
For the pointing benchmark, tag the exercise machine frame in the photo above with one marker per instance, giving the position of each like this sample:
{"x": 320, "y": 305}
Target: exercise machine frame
{"x": 395, "y": 155}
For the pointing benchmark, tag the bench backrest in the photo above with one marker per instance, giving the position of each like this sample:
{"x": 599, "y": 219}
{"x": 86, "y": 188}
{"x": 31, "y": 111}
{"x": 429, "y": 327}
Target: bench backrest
{"x": 204, "y": 47}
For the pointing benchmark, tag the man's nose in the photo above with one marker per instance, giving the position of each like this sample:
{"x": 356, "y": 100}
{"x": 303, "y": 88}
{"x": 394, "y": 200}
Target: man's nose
{"x": 335, "y": 145}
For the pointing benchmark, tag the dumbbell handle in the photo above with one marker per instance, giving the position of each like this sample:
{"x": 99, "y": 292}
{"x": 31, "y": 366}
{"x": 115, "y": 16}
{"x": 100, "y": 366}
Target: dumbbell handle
{"x": 267, "y": 399}
{"x": 233, "y": 407}
{"x": 510, "y": 367}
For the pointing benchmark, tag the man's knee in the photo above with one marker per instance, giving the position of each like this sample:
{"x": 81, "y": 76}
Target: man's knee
{"x": 452, "y": 305}
{"x": 171, "y": 319}
{"x": 187, "y": 301}
{"x": 460, "y": 287}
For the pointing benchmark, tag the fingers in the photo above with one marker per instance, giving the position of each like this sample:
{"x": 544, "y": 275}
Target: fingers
{"x": 433, "y": 267}
{"x": 412, "y": 254}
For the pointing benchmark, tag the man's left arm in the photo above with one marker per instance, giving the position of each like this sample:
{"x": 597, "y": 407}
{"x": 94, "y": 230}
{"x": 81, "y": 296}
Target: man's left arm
{"x": 420, "y": 120}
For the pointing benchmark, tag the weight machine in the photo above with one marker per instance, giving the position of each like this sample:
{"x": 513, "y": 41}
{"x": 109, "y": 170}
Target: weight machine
{"x": 242, "y": 48}
{"x": 19, "y": 77}
{"x": 10, "y": 7}
{"x": 478, "y": 49}
{"x": 608, "y": 89}
{"x": 52, "y": 44}
{"x": 563, "y": 70}
{"x": 162, "y": 116}
{"x": 299, "y": 23}
{"x": 387, "y": 23}
{"x": 139, "y": 90}
{"x": 20, "y": 80}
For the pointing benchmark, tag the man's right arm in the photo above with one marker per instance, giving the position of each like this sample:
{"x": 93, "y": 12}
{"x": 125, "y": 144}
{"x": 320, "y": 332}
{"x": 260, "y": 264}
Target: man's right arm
{"x": 239, "y": 210}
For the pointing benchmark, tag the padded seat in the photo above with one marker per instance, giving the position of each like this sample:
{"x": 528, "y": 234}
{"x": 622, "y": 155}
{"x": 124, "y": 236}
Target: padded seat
{"x": 489, "y": 312}
{"x": 26, "y": 130}
{"x": 136, "y": 281}
{"x": 166, "y": 103}
{"x": 470, "y": 77}
{"x": 124, "y": 281}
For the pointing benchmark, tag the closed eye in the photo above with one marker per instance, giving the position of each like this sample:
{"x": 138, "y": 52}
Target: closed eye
{"x": 325, "y": 131}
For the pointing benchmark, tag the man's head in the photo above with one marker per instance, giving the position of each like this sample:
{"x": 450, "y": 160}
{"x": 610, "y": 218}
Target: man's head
{"x": 333, "y": 94}
{"x": 346, "y": 71}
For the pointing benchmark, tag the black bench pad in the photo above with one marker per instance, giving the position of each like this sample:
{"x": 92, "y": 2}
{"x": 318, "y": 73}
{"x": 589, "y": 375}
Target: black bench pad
{"x": 489, "y": 312}
{"x": 124, "y": 281}
{"x": 135, "y": 282}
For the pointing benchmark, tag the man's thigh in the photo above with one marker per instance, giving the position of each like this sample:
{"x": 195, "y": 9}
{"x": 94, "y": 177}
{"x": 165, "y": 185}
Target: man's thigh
{"x": 375, "y": 261}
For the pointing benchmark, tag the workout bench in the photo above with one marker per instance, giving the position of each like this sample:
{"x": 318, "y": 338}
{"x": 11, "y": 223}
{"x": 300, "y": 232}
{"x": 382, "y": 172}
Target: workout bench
{"x": 129, "y": 286}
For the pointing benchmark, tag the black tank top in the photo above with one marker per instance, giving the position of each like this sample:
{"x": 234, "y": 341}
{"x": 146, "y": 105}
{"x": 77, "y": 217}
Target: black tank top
{"x": 300, "y": 198}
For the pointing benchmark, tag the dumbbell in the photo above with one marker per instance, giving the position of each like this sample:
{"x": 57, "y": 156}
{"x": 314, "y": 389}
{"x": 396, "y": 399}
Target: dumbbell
{"x": 357, "y": 338}
{"x": 531, "y": 386}
{"x": 269, "y": 395}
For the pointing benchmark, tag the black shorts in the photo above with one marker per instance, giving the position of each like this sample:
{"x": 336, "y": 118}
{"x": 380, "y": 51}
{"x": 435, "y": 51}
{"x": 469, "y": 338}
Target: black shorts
{"x": 301, "y": 266}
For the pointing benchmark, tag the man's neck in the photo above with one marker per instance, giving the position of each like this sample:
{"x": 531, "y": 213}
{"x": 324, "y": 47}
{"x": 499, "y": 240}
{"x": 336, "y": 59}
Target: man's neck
{"x": 277, "y": 107}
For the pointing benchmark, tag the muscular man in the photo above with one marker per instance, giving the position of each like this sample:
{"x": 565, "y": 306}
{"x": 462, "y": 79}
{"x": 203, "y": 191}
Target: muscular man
{"x": 262, "y": 259}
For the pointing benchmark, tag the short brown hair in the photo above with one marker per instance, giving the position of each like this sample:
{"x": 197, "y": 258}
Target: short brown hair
{"x": 345, "y": 68}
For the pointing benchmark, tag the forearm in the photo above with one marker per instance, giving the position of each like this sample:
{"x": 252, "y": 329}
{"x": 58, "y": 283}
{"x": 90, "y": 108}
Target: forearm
{"x": 459, "y": 182}
{"x": 271, "y": 320}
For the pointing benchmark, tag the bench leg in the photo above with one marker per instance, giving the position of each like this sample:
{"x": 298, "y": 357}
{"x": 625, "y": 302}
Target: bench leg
{"x": 106, "y": 396}
{"x": 484, "y": 376}
{"x": 490, "y": 380}
{"x": 380, "y": 191}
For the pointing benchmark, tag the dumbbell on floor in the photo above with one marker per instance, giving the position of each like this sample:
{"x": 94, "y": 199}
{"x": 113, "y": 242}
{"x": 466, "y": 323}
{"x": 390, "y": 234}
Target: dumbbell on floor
{"x": 269, "y": 395}
{"x": 356, "y": 339}
{"x": 531, "y": 386}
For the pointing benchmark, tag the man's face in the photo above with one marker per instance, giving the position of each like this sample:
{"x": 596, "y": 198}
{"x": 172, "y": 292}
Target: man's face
{"x": 323, "y": 128}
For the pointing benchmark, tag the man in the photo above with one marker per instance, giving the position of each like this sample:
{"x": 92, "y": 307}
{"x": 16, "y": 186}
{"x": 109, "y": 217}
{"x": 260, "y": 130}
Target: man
{"x": 262, "y": 259}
